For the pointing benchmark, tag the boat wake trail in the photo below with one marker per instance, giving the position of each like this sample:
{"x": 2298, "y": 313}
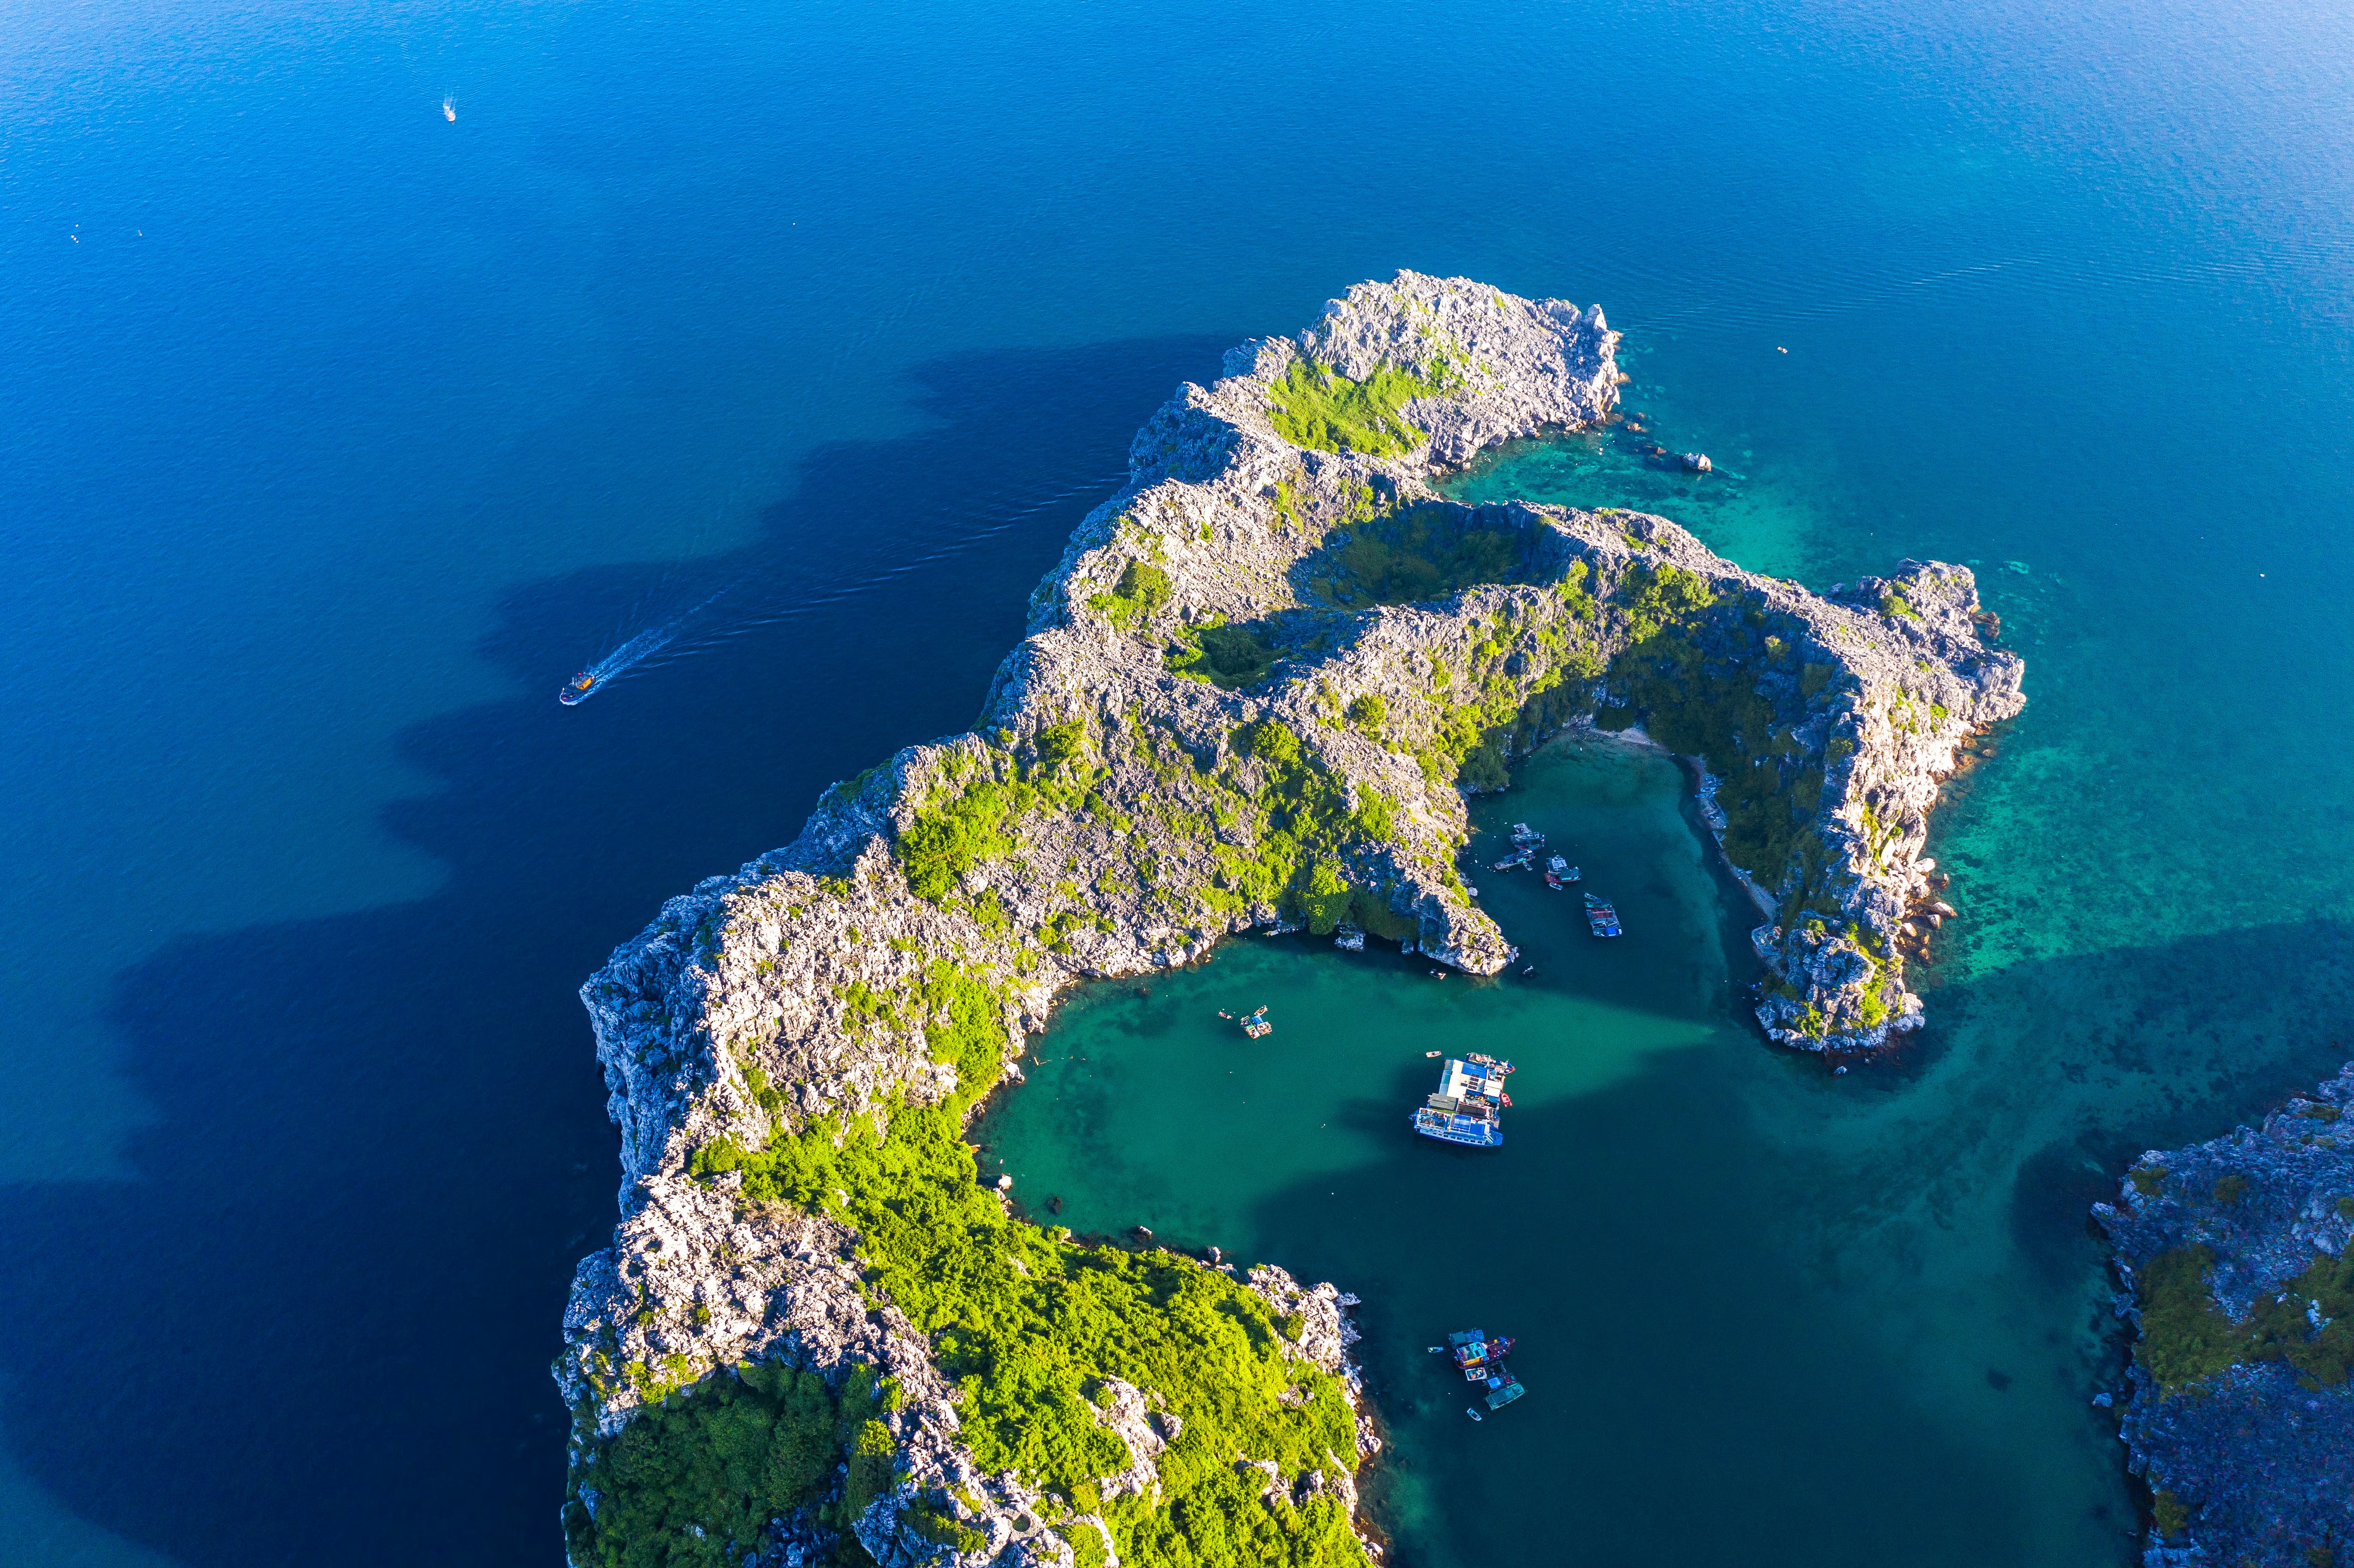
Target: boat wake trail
{"x": 631, "y": 654}
{"x": 691, "y": 630}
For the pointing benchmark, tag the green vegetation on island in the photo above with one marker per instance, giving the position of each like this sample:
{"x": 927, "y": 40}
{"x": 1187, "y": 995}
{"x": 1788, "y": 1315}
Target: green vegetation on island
{"x": 2185, "y": 1336}
{"x": 1035, "y": 1331}
{"x": 1313, "y": 406}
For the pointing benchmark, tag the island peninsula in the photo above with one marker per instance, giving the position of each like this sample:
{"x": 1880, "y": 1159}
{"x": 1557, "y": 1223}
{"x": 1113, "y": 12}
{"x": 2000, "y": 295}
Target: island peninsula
{"x": 1257, "y": 686}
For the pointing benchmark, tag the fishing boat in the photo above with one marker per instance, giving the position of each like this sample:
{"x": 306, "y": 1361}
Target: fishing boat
{"x": 580, "y": 686}
{"x": 1474, "y": 1352}
{"x": 1465, "y": 1109}
{"x": 1526, "y": 836}
{"x": 1600, "y": 917}
{"x": 1481, "y": 1361}
{"x": 1559, "y": 874}
{"x": 1256, "y": 1026}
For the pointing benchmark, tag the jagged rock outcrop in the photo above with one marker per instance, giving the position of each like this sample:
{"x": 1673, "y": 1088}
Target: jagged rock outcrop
{"x": 1258, "y": 683}
{"x": 2239, "y": 1412}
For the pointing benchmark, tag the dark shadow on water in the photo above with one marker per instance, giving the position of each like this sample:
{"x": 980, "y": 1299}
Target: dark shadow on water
{"x": 1695, "y": 1394}
{"x": 2227, "y": 1025}
{"x": 317, "y": 1327}
{"x": 1687, "y": 1401}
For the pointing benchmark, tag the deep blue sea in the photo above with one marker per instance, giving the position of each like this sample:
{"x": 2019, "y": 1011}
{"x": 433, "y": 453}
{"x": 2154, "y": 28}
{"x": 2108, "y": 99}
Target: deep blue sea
{"x": 337, "y": 432}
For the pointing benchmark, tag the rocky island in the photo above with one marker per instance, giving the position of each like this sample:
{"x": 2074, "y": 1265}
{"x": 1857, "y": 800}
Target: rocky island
{"x": 2241, "y": 1289}
{"x": 1257, "y": 687}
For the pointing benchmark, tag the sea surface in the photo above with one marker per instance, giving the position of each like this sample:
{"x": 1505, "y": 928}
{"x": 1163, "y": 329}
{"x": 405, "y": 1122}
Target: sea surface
{"x": 367, "y": 370}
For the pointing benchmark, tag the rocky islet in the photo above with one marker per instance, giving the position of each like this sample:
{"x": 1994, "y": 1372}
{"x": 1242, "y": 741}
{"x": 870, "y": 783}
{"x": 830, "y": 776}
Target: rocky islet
{"x": 2238, "y": 1412}
{"x": 1256, "y": 686}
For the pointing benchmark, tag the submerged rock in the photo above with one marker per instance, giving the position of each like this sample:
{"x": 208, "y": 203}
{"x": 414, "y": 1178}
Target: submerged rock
{"x": 1256, "y": 690}
{"x": 2240, "y": 1417}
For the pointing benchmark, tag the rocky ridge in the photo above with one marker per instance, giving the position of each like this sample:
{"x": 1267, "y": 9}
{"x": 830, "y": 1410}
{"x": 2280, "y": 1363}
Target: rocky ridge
{"x": 2239, "y": 1412}
{"x": 1256, "y": 686}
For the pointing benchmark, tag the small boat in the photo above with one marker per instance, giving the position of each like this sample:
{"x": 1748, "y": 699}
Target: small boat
{"x": 1256, "y": 1026}
{"x": 1526, "y": 835}
{"x": 1506, "y": 1395}
{"x": 450, "y": 109}
{"x": 1474, "y": 1414}
{"x": 580, "y": 686}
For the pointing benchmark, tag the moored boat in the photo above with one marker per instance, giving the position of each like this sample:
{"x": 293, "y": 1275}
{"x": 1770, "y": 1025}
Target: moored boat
{"x": 1465, "y": 1109}
{"x": 1481, "y": 1359}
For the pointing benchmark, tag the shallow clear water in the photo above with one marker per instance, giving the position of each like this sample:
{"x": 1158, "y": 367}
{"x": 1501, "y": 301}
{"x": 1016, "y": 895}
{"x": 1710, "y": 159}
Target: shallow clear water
{"x": 334, "y": 433}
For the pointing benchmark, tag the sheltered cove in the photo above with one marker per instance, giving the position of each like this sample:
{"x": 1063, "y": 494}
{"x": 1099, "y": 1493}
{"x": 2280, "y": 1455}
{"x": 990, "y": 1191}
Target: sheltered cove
{"x": 1258, "y": 683}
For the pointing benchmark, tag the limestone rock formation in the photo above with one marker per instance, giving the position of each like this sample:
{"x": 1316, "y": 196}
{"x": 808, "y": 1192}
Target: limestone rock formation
{"x": 2240, "y": 1414}
{"x": 1258, "y": 685}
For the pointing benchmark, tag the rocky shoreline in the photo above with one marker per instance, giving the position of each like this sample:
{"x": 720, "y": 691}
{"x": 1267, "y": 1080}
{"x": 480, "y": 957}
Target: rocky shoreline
{"x": 1258, "y": 685}
{"x": 2238, "y": 1412}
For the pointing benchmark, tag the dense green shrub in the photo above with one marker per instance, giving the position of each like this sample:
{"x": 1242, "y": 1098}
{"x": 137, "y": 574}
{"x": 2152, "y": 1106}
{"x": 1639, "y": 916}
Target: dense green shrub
{"x": 1709, "y": 706}
{"x": 1657, "y": 596}
{"x": 2184, "y": 1335}
{"x": 1424, "y": 552}
{"x": 951, "y": 836}
{"x": 2279, "y": 1328}
{"x": 1311, "y": 406}
{"x": 1143, "y": 590}
{"x": 1325, "y": 898}
{"x": 1060, "y": 744}
{"x": 1228, "y": 656}
{"x": 695, "y": 1483}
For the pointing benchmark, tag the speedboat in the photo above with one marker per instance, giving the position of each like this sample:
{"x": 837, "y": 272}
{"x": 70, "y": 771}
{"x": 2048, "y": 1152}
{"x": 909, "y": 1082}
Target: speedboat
{"x": 580, "y": 686}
